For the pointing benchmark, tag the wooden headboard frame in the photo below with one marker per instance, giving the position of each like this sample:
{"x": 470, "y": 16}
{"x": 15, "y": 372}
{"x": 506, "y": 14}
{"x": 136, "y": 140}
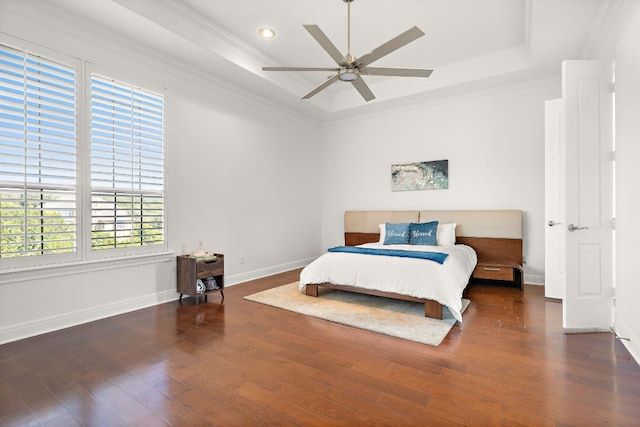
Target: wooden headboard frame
{"x": 496, "y": 235}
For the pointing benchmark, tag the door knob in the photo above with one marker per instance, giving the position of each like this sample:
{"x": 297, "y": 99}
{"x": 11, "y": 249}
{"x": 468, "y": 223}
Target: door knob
{"x": 572, "y": 227}
{"x": 551, "y": 223}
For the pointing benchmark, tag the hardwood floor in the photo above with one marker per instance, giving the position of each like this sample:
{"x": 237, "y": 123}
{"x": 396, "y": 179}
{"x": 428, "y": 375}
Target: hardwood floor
{"x": 243, "y": 363}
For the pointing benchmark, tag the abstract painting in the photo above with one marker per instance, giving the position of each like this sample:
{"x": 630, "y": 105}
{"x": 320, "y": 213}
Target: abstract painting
{"x": 432, "y": 175}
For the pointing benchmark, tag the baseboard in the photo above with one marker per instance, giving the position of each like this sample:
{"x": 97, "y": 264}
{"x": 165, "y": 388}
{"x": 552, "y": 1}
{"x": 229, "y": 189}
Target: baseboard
{"x": 66, "y": 320}
{"x": 533, "y": 279}
{"x": 264, "y": 272}
{"x": 586, "y": 330}
{"x": 629, "y": 339}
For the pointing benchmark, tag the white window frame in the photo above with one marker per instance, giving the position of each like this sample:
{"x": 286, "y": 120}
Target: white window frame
{"x": 146, "y": 84}
{"x": 84, "y": 258}
{"x": 76, "y": 64}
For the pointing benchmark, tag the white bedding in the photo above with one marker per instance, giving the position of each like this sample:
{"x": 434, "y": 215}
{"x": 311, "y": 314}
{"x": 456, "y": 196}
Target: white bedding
{"x": 419, "y": 278}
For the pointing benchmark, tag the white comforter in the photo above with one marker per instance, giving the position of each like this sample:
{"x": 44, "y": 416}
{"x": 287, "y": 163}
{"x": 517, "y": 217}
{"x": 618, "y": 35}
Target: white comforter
{"x": 419, "y": 278}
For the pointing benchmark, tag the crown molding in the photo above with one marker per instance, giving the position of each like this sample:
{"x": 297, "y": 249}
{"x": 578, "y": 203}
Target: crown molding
{"x": 452, "y": 102}
{"x": 608, "y": 16}
{"x": 528, "y": 23}
{"x": 78, "y": 37}
{"x": 485, "y": 66}
{"x": 185, "y": 22}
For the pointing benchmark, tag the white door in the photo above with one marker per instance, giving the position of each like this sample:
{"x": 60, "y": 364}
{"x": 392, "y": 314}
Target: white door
{"x": 554, "y": 194}
{"x": 587, "y": 96}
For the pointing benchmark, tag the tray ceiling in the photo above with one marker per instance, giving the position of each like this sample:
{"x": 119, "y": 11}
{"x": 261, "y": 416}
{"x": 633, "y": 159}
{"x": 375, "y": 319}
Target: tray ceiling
{"x": 470, "y": 44}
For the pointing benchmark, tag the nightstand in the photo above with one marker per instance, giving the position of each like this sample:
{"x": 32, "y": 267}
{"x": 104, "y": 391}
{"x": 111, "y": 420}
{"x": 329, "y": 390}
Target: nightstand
{"x": 499, "y": 270}
{"x": 189, "y": 270}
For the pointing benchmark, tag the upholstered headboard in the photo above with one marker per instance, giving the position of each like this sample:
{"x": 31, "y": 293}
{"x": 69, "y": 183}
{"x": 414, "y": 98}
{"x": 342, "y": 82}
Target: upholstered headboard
{"x": 494, "y": 234}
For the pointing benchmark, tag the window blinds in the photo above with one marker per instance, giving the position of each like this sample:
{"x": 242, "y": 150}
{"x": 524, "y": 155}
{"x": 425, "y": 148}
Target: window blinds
{"x": 127, "y": 165}
{"x": 37, "y": 155}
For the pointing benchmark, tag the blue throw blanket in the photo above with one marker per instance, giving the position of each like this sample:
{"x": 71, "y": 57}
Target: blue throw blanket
{"x": 438, "y": 257}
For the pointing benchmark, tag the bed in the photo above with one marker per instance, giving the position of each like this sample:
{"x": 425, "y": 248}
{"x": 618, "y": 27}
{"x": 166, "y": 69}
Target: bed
{"x": 480, "y": 237}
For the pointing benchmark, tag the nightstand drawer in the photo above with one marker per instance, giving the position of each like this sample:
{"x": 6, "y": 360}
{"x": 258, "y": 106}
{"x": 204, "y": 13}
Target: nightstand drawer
{"x": 210, "y": 268}
{"x": 493, "y": 272}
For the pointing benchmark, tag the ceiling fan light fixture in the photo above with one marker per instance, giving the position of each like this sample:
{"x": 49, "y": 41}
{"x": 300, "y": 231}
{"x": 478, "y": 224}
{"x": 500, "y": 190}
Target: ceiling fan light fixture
{"x": 266, "y": 33}
{"x": 349, "y": 68}
{"x": 348, "y": 75}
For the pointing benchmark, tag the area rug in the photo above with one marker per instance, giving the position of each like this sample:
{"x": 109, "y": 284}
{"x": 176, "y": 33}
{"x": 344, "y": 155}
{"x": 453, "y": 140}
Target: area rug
{"x": 402, "y": 319}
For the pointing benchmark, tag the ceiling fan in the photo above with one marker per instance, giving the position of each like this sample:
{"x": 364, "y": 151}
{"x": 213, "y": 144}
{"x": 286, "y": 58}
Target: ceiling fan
{"x": 350, "y": 69}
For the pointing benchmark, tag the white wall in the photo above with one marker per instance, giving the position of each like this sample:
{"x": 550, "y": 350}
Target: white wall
{"x": 494, "y": 143}
{"x": 244, "y": 181}
{"x": 627, "y": 178}
{"x": 242, "y": 177}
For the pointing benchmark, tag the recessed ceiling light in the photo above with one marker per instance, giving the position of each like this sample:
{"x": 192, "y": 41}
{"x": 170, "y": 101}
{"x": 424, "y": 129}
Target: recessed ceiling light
{"x": 266, "y": 33}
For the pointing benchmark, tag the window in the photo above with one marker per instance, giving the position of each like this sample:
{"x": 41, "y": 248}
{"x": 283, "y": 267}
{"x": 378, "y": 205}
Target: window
{"x": 127, "y": 165}
{"x": 37, "y": 155}
{"x": 64, "y": 196}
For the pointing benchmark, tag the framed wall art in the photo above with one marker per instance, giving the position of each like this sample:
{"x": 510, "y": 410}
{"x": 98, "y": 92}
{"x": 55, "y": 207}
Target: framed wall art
{"x": 433, "y": 175}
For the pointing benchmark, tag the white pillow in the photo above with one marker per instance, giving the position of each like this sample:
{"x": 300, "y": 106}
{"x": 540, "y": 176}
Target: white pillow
{"x": 446, "y": 234}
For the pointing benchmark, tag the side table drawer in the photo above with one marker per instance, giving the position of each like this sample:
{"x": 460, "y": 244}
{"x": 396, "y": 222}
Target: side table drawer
{"x": 213, "y": 268}
{"x": 493, "y": 272}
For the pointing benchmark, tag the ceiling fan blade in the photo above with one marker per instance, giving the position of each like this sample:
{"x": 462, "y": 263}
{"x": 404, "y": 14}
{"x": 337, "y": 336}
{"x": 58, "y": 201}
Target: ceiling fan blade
{"x": 321, "y": 87}
{"x": 363, "y": 89}
{"x": 400, "y": 72}
{"x": 299, "y": 69}
{"x": 326, "y": 44}
{"x": 388, "y": 47}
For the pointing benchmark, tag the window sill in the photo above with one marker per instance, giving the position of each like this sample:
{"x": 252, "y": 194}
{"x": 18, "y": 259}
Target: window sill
{"x": 21, "y": 274}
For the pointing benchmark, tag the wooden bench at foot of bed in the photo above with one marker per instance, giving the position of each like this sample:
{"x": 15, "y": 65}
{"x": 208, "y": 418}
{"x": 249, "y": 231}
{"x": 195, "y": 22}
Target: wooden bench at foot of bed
{"x": 432, "y": 309}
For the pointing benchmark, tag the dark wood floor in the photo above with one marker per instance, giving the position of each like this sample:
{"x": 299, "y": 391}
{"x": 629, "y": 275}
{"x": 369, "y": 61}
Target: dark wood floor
{"x": 243, "y": 363}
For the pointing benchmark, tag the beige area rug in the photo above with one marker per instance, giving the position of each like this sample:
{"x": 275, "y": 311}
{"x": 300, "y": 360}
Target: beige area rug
{"x": 402, "y": 319}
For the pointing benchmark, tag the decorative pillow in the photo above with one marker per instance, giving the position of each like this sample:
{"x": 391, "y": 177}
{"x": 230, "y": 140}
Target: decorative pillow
{"x": 396, "y": 234}
{"x": 383, "y": 233}
{"x": 447, "y": 234}
{"x": 423, "y": 233}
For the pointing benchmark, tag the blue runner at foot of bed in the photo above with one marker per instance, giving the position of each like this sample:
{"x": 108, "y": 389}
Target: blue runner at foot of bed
{"x": 438, "y": 257}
